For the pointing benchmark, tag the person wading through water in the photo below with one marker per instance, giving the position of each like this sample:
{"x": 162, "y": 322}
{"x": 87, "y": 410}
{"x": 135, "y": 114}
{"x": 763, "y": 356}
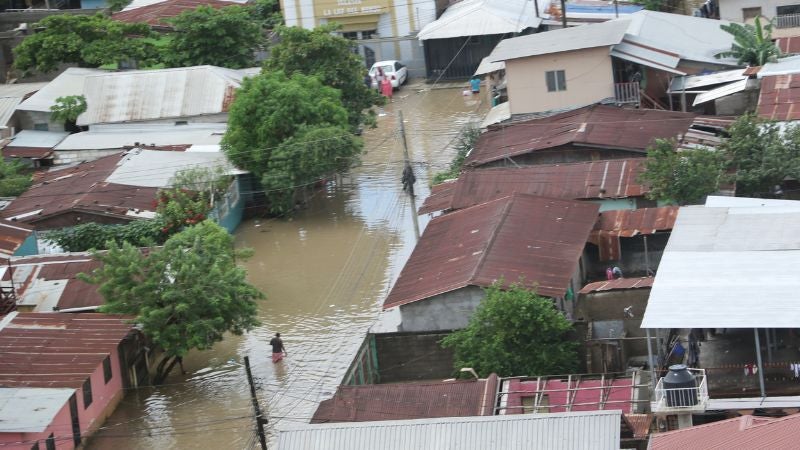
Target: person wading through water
{"x": 278, "y": 350}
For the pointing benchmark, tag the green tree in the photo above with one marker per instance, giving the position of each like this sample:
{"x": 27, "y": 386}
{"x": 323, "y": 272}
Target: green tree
{"x": 752, "y": 44}
{"x": 67, "y": 109}
{"x": 14, "y": 179}
{"x": 117, "y": 5}
{"x": 288, "y": 131}
{"x": 464, "y": 144}
{"x": 515, "y": 332}
{"x": 88, "y": 41}
{"x": 184, "y": 296}
{"x": 330, "y": 58}
{"x": 681, "y": 177}
{"x": 269, "y": 12}
{"x": 225, "y": 37}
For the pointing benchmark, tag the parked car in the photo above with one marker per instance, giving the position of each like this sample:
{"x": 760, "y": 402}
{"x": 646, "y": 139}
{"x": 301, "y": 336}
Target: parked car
{"x": 395, "y": 70}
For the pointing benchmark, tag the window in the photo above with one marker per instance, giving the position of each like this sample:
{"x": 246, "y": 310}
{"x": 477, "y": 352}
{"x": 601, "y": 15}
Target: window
{"x": 786, "y": 10}
{"x": 750, "y": 13}
{"x": 41, "y": 127}
{"x": 352, "y": 35}
{"x": 556, "y": 80}
{"x": 529, "y": 404}
{"x": 50, "y": 443}
{"x": 368, "y": 34}
{"x": 107, "y": 369}
{"x": 398, "y": 66}
{"x": 182, "y": 122}
{"x": 87, "y": 393}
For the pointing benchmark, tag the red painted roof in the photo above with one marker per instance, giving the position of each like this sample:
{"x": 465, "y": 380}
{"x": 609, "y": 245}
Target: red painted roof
{"x": 613, "y": 225}
{"x": 81, "y": 188}
{"x": 409, "y": 401}
{"x": 155, "y": 14}
{"x": 597, "y": 126}
{"x": 584, "y": 180}
{"x": 57, "y": 350}
{"x": 538, "y": 239}
{"x": 779, "y": 98}
{"x": 617, "y": 284}
{"x": 742, "y": 432}
{"x": 32, "y": 273}
{"x": 12, "y": 236}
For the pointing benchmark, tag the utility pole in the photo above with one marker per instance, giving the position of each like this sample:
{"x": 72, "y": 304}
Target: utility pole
{"x": 564, "y": 13}
{"x": 260, "y": 420}
{"x": 616, "y": 9}
{"x": 536, "y": 5}
{"x": 408, "y": 174}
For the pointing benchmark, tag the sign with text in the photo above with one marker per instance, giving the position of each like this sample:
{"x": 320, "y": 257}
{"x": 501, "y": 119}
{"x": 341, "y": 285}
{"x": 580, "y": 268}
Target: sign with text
{"x": 327, "y": 9}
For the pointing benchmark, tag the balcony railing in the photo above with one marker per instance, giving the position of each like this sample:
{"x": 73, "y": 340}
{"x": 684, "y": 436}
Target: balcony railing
{"x": 787, "y": 21}
{"x": 689, "y": 399}
{"x": 627, "y": 92}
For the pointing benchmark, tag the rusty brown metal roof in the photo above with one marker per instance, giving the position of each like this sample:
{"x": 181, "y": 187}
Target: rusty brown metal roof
{"x": 34, "y": 277}
{"x": 750, "y": 432}
{"x": 157, "y": 13}
{"x": 628, "y": 223}
{"x": 12, "y": 236}
{"x": 618, "y": 284}
{"x": 779, "y": 98}
{"x": 28, "y": 152}
{"x": 81, "y": 188}
{"x": 404, "y": 401}
{"x": 538, "y": 239}
{"x": 57, "y": 350}
{"x": 439, "y": 199}
{"x": 577, "y": 181}
{"x": 789, "y": 45}
{"x": 597, "y": 126}
{"x": 639, "y": 424}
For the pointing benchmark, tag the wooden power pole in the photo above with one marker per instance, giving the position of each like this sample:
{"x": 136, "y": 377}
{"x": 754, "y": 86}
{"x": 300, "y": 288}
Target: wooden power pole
{"x": 260, "y": 419}
{"x": 408, "y": 174}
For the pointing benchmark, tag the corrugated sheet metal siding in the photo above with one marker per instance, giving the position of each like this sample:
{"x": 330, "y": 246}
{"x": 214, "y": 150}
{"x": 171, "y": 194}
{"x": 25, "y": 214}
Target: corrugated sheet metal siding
{"x": 568, "y": 431}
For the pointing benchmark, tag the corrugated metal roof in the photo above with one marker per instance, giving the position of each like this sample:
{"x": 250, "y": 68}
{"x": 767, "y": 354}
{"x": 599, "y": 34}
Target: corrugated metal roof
{"x": 740, "y": 432}
{"x": 497, "y": 114}
{"x": 158, "y": 94}
{"x": 632, "y": 49}
{"x": 692, "y": 82}
{"x": 60, "y": 350}
{"x": 789, "y": 45}
{"x": 45, "y": 282}
{"x": 576, "y": 181}
{"x": 615, "y": 224}
{"x": 520, "y": 236}
{"x": 783, "y": 66}
{"x": 561, "y": 40}
{"x": 7, "y": 107}
{"x": 11, "y": 95}
{"x": 30, "y": 410}
{"x": 156, "y": 14}
{"x": 779, "y": 98}
{"x": 486, "y": 66}
{"x": 735, "y": 265}
{"x": 27, "y": 152}
{"x": 722, "y": 91}
{"x": 157, "y": 169}
{"x": 482, "y": 17}
{"x": 597, "y": 126}
{"x": 618, "y": 284}
{"x": 402, "y": 401}
{"x": 102, "y": 137}
{"x": 37, "y": 139}
{"x": 12, "y": 236}
{"x": 69, "y": 82}
{"x": 597, "y": 430}
{"x": 135, "y": 4}
{"x": 80, "y": 188}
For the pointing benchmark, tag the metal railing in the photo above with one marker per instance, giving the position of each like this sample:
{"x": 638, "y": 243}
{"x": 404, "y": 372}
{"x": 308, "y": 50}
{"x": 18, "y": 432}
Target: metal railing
{"x": 627, "y": 92}
{"x": 787, "y": 21}
{"x": 681, "y": 399}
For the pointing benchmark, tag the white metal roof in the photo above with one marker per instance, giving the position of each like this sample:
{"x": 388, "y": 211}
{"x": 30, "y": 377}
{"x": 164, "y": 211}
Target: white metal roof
{"x": 117, "y": 136}
{"x": 30, "y": 410}
{"x": 692, "y": 82}
{"x": 11, "y": 96}
{"x": 561, "y": 40}
{"x": 487, "y": 66}
{"x": 722, "y": 91}
{"x": 140, "y": 3}
{"x": 497, "y": 114}
{"x": 70, "y": 82}
{"x": 153, "y": 168}
{"x": 596, "y": 430}
{"x": 483, "y": 17}
{"x": 784, "y": 66}
{"x": 729, "y": 267}
{"x": 36, "y": 138}
{"x": 141, "y": 95}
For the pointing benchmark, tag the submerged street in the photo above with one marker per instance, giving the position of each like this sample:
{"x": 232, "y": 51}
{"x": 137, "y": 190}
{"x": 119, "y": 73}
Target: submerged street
{"x": 325, "y": 273}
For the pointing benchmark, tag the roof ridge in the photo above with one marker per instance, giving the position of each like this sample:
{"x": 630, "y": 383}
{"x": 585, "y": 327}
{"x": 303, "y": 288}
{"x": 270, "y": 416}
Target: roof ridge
{"x": 503, "y": 216}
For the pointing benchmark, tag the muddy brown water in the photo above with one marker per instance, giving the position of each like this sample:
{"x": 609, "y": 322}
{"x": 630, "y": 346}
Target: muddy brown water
{"x": 325, "y": 273}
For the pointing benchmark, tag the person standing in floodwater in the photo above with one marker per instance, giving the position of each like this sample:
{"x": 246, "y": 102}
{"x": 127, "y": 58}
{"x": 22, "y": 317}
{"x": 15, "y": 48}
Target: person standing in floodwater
{"x": 278, "y": 350}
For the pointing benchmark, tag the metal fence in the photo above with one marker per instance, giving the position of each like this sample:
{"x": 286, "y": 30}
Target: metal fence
{"x": 788, "y": 21}
{"x": 627, "y": 92}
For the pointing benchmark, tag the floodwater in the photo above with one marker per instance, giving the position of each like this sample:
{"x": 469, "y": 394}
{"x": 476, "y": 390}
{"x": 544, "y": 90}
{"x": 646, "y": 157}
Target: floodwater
{"x": 325, "y": 273}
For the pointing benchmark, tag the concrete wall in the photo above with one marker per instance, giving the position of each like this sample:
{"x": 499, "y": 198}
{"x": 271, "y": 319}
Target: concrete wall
{"x": 412, "y": 357}
{"x": 732, "y": 10}
{"x": 29, "y": 119}
{"x": 448, "y": 311}
{"x": 589, "y": 78}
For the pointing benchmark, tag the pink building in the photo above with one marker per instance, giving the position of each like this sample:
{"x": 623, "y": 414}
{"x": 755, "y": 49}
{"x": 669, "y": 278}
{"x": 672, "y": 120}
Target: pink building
{"x": 91, "y": 357}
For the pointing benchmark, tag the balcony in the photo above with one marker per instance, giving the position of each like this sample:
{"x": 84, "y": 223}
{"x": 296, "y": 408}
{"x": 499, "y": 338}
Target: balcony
{"x": 686, "y": 399}
{"x": 787, "y": 21}
{"x": 626, "y": 93}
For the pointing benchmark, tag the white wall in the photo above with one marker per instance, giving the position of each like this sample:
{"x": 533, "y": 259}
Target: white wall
{"x": 732, "y": 10}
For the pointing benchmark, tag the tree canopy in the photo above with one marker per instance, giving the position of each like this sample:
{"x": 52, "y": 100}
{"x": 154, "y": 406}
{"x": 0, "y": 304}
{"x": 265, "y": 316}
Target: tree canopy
{"x": 752, "y": 44}
{"x": 184, "y": 296}
{"x": 67, "y": 109}
{"x": 14, "y": 178}
{"x": 290, "y": 131}
{"x": 515, "y": 332}
{"x": 88, "y": 41}
{"x": 225, "y": 37}
{"x": 330, "y": 58}
{"x": 681, "y": 177}
{"x": 464, "y": 144}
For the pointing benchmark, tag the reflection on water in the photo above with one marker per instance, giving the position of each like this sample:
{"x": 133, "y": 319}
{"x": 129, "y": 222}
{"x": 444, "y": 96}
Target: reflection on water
{"x": 325, "y": 273}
